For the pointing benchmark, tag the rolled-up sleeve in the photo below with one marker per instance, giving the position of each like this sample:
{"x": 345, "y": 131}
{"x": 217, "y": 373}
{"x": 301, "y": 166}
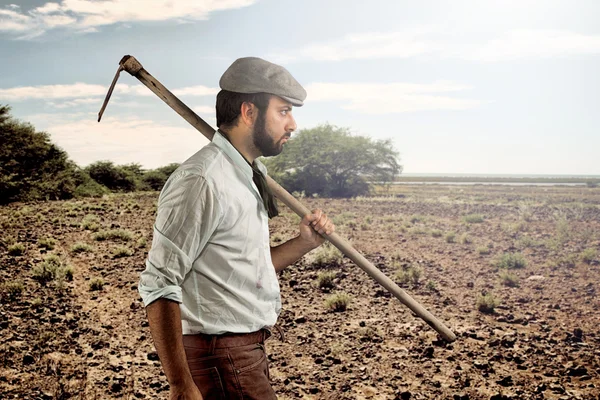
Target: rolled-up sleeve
{"x": 187, "y": 215}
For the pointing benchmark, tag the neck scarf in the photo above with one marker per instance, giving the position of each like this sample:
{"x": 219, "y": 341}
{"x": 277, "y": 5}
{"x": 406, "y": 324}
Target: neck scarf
{"x": 261, "y": 184}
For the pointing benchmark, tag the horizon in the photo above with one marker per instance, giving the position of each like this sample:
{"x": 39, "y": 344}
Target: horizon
{"x": 498, "y": 88}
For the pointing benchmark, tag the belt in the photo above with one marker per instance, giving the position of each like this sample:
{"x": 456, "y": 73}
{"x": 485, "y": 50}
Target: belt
{"x": 201, "y": 340}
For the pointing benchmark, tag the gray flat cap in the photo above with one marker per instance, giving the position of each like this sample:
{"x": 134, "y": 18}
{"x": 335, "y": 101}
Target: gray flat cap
{"x": 255, "y": 75}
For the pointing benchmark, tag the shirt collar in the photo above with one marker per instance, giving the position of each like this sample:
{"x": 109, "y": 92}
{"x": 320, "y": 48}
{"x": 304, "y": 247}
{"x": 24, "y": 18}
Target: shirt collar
{"x": 236, "y": 157}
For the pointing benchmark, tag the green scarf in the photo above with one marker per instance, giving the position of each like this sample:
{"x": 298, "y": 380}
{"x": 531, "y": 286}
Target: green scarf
{"x": 261, "y": 183}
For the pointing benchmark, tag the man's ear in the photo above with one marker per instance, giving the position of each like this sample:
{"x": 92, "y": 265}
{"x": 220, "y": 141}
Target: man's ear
{"x": 248, "y": 113}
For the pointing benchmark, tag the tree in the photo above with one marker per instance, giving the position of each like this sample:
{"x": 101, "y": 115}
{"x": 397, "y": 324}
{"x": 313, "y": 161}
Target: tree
{"x": 122, "y": 178}
{"x": 331, "y": 162}
{"x": 31, "y": 166}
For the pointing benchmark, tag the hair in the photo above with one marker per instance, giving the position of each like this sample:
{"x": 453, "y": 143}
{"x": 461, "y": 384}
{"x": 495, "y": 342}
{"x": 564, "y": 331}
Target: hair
{"x": 229, "y": 105}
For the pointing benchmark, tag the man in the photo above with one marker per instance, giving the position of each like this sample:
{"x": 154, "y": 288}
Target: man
{"x": 210, "y": 285}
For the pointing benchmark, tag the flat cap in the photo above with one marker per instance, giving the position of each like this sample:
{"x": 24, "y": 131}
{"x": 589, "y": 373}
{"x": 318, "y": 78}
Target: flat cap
{"x": 255, "y": 75}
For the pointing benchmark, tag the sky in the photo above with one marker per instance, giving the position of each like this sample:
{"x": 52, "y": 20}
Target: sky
{"x": 481, "y": 87}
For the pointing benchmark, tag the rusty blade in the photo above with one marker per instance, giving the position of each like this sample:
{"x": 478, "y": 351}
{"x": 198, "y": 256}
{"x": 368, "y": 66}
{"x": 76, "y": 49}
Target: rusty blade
{"x": 110, "y": 90}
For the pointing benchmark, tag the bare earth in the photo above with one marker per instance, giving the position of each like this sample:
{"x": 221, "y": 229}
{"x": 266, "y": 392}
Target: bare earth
{"x": 63, "y": 340}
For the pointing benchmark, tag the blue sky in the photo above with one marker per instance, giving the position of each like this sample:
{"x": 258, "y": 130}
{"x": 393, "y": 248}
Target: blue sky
{"x": 503, "y": 87}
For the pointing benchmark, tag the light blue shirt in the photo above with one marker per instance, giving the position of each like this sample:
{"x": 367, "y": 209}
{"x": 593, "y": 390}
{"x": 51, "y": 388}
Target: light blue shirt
{"x": 210, "y": 250}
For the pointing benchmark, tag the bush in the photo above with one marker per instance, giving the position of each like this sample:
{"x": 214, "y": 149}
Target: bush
{"x": 410, "y": 274}
{"x": 509, "y": 279}
{"x": 473, "y": 218}
{"x": 487, "y": 303}
{"x": 12, "y": 290}
{"x": 47, "y": 243}
{"x": 91, "y": 222}
{"x": 45, "y": 272}
{"x": 483, "y": 250}
{"x": 16, "y": 249}
{"x": 327, "y": 254}
{"x": 511, "y": 261}
{"x": 155, "y": 180}
{"x": 436, "y": 233}
{"x": 91, "y": 188}
{"x": 465, "y": 239}
{"x": 588, "y": 255}
{"x": 122, "y": 251}
{"x": 81, "y": 247}
{"x": 113, "y": 234}
{"x": 97, "y": 284}
{"x": 450, "y": 237}
{"x": 125, "y": 178}
{"x": 325, "y": 279}
{"x": 338, "y": 302}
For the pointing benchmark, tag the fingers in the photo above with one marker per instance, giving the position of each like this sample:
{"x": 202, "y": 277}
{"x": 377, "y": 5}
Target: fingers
{"x": 319, "y": 222}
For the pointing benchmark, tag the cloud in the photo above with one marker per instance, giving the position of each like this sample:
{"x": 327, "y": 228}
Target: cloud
{"x": 204, "y": 110}
{"x": 88, "y": 15}
{"x": 431, "y": 42}
{"x": 526, "y": 43}
{"x": 120, "y": 140}
{"x": 390, "y": 98}
{"x": 86, "y": 91}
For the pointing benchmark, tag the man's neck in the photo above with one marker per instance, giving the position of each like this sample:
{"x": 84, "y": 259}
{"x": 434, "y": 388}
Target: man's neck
{"x": 242, "y": 141}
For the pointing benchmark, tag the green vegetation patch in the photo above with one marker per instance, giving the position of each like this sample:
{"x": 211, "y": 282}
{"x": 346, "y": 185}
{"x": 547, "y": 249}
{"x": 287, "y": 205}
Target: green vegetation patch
{"x": 81, "y": 247}
{"x": 16, "y": 249}
{"x": 509, "y": 279}
{"x": 473, "y": 218}
{"x": 327, "y": 254}
{"x": 409, "y": 274}
{"x": 487, "y": 303}
{"x": 510, "y": 261}
{"x": 325, "y": 280}
{"x": 97, "y": 284}
{"x": 47, "y": 243}
{"x": 122, "y": 251}
{"x": 589, "y": 255}
{"x": 338, "y": 302}
{"x": 113, "y": 234}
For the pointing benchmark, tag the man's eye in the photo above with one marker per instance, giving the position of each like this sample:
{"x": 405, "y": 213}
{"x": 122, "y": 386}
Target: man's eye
{"x": 284, "y": 112}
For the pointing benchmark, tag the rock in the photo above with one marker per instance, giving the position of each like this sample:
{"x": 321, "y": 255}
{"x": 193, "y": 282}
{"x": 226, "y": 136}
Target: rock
{"x": 406, "y": 395}
{"x": 28, "y": 359}
{"x": 577, "y": 371}
{"x": 116, "y": 387}
{"x": 300, "y": 320}
{"x": 153, "y": 356}
{"x": 506, "y": 381}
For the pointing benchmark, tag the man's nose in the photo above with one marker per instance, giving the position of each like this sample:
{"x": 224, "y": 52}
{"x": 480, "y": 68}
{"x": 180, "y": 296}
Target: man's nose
{"x": 291, "y": 125}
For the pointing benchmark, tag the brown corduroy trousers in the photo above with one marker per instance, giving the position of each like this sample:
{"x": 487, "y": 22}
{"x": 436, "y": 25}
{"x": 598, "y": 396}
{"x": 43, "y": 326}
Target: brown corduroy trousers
{"x": 230, "y": 366}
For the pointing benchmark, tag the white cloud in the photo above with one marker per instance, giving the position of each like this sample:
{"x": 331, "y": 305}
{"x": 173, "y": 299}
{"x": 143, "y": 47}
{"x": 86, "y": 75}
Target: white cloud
{"x": 87, "y": 15}
{"x": 196, "y": 91}
{"x": 514, "y": 44}
{"x": 204, "y": 110}
{"x": 86, "y": 90}
{"x": 526, "y": 43}
{"x": 389, "y": 98}
{"x": 123, "y": 141}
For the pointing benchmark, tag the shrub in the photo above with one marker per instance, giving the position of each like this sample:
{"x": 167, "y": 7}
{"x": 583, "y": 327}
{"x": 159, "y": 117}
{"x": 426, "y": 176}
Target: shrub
{"x": 47, "y": 243}
{"x": 473, "y": 218}
{"x": 44, "y": 272}
{"x": 511, "y": 261}
{"x": 483, "y": 250}
{"x": 81, "y": 247}
{"x": 12, "y": 290}
{"x": 68, "y": 272}
{"x": 410, "y": 274}
{"x": 431, "y": 286}
{"x": 113, "y": 234}
{"x": 416, "y": 218}
{"x": 588, "y": 255}
{"x": 125, "y": 178}
{"x": 122, "y": 251}
{"x": 91, "y": 188}
{"x": 450, "y": 237}
{"x": 436, "y": 233}
{"x": 325, "y": 279}
{"x": 487, "y": 303}
{"x": 338, "y": 302}
{"x": 509, "y": 279}
{"x": 16, "y": 249}
{"x": 327, "y": 254}
{"x": 465, "y": 239}
{"x": 97, "y": 284}
{"x": 91, "y": 222}
{"x": 142, "y": 242}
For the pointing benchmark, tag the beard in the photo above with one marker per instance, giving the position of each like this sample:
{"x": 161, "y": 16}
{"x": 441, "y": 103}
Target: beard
{"x": 267, "y": 146}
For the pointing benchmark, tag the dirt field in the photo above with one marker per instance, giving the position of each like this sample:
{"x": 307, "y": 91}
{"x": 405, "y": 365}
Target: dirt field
{"x": 72, "y": 324}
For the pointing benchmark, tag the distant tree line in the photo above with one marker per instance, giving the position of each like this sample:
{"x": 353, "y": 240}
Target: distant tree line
{"x": 33, "y": 168}
{"x": 327, "y": 161}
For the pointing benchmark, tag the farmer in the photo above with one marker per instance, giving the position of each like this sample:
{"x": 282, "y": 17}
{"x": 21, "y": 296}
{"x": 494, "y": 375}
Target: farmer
{"x": 210, "y": 286}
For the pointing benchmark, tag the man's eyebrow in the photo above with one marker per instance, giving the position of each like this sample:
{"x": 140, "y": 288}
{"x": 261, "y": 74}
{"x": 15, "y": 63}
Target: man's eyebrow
{"x": 286, "y": 107}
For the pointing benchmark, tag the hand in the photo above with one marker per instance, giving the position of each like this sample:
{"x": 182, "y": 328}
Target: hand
{"x": 312, "y": 225}
{"x": 190, "y": 392}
